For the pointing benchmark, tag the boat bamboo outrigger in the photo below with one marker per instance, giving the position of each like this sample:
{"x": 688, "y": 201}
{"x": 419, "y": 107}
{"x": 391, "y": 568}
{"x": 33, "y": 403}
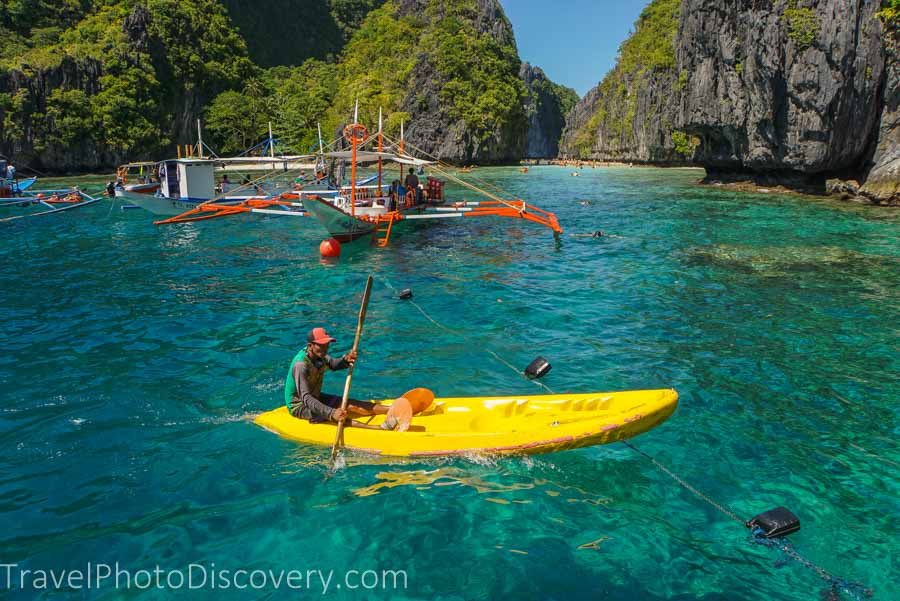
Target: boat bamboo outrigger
{"x": 359, "y": 210}
{"x": 51, "y": 201}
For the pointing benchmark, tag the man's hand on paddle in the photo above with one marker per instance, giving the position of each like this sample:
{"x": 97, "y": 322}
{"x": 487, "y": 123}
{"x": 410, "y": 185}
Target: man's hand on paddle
{"x": 350, "y": 357}
{"x": 338, "y": 414}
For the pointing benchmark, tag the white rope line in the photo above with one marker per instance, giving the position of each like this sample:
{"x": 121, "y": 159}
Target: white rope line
{"x": 463, "y": 337}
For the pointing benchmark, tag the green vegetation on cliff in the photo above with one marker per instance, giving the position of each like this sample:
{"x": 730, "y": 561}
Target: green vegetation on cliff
{"x": 288, "y": 32}
{"x": 295, "y": 98}
{"x": 647, "y": 53}
{"x": 481, "y": 86}
{"x": 567, "y": 97}
{"x": 478, "y": 79}
{"x": 802, "y": 23}
{"x": 124, "y": 68}
{"x": 890, "y": 13}
{"x": 375, "y": 68}
{"x": 85, "y": 83}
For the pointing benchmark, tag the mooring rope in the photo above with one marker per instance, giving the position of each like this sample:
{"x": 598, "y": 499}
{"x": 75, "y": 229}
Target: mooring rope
{"x": 461, "y": 335}
{"x": 442, "y": 168}
{"x": 837, "y": 584}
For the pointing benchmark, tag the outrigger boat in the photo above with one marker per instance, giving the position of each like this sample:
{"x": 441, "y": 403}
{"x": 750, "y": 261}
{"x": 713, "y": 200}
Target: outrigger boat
{"x": 138, "y": 178}
{"x": 173, "y": 186}
{"x": 346, "y": 221}
{"x": 508, "y": 425}
{"x": 9, "y": 186}
{"x": 52, "y": 201}
{"x": 187, "y": 183}
{"x": 357, "y": 211}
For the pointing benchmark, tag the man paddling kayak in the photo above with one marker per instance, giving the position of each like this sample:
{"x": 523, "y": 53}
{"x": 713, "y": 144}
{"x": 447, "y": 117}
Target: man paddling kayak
{"x": 303, "y": 387}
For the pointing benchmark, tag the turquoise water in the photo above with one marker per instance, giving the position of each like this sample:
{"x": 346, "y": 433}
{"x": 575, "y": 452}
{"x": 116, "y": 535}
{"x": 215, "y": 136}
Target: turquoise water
{"x": 133, "y": 357}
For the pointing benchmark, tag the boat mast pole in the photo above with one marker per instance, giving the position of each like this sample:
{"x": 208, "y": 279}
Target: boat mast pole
{"x": 353, "y": 160}
{"x": 271, "y": 142}
{"x": 199, "y": 139}
{"x": 380, "y": 139}
{"x": 401, "y": 152}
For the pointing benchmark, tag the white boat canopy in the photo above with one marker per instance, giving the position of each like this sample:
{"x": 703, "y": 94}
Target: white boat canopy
{"x": 367, "y": 156}
{"x": 283, "y": 163}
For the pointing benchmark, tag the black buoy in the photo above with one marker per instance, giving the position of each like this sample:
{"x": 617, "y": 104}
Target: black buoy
{"x": 406, "y": 294}
{"x": 538, "y": 368}
{"x": 774, "y": 523}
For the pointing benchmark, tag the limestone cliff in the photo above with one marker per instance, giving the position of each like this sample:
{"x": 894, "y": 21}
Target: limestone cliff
{"x": 789, "y": 93}
{"x": 546, "y": 105}
{"x": 124, "y": 80}
{"x": 882, "y": 179}
{"x": 467, "y": 55}
{"x": 792, "y": 92}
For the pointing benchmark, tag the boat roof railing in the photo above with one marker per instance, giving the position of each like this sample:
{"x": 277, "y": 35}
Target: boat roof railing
{"x": 369, "y": 156}
{"x": 139, "y": 164}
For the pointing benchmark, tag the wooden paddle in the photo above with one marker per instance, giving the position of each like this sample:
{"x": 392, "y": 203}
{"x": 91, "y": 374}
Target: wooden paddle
{"x": 359, "y": 326}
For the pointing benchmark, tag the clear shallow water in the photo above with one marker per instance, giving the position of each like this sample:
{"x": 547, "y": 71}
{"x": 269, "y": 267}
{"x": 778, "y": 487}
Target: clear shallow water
{"x": 133, "y": 356}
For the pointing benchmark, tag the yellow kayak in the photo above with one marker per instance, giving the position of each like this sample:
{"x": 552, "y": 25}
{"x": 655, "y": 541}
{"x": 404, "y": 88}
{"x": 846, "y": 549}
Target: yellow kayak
{"x": 514, "y": 425}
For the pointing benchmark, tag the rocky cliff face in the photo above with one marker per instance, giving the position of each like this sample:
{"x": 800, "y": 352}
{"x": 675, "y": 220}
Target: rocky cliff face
{"x": 882, "y": 177}
{"x": 122, "y": 94}
{"x": 544, "y": 112}
{"x": 628, "y": 117}
{"x": 434, "y": 125}
{"x": 788, "y": 93}
{"x": 577, "y": 141}
{"x": 30, "y": 92}
{"x": 791, "y": 92}
{"x": 628, "y": 122}
{"x": 138, "y": 76}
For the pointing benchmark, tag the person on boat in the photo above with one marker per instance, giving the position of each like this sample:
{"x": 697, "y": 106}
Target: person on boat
{"x": 394, "y": 195}
{"x": 412, "y": 183}
{"x": 303, "y": 387}
{"x": 226, "y": 183}
{"x": 11, "y": 172}
{"x": 110, "y": 189}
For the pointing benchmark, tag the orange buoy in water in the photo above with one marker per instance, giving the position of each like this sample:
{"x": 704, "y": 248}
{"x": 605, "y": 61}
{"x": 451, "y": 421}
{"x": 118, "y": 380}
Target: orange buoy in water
{"x": 330, "y": 248}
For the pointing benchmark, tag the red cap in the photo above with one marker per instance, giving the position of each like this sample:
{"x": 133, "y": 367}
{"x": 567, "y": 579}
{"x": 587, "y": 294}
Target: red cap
{"x": 319, "y": 336}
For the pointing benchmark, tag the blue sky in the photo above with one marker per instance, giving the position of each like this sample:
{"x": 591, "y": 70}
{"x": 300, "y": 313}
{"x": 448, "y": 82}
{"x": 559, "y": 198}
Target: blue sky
{"x": 575, "y": 42}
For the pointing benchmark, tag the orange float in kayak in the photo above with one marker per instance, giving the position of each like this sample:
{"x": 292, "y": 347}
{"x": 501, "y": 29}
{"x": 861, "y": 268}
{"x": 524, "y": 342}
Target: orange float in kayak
{"x": 420, "y": 399}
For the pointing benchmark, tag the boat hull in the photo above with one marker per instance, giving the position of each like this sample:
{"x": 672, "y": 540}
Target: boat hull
{"x": 9, "y": 188}
{"x": 151, "y": 188}
{"x": 341, "y": 225}
{"x": 160, "y": 205}
{"x": 515, "y": 425}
